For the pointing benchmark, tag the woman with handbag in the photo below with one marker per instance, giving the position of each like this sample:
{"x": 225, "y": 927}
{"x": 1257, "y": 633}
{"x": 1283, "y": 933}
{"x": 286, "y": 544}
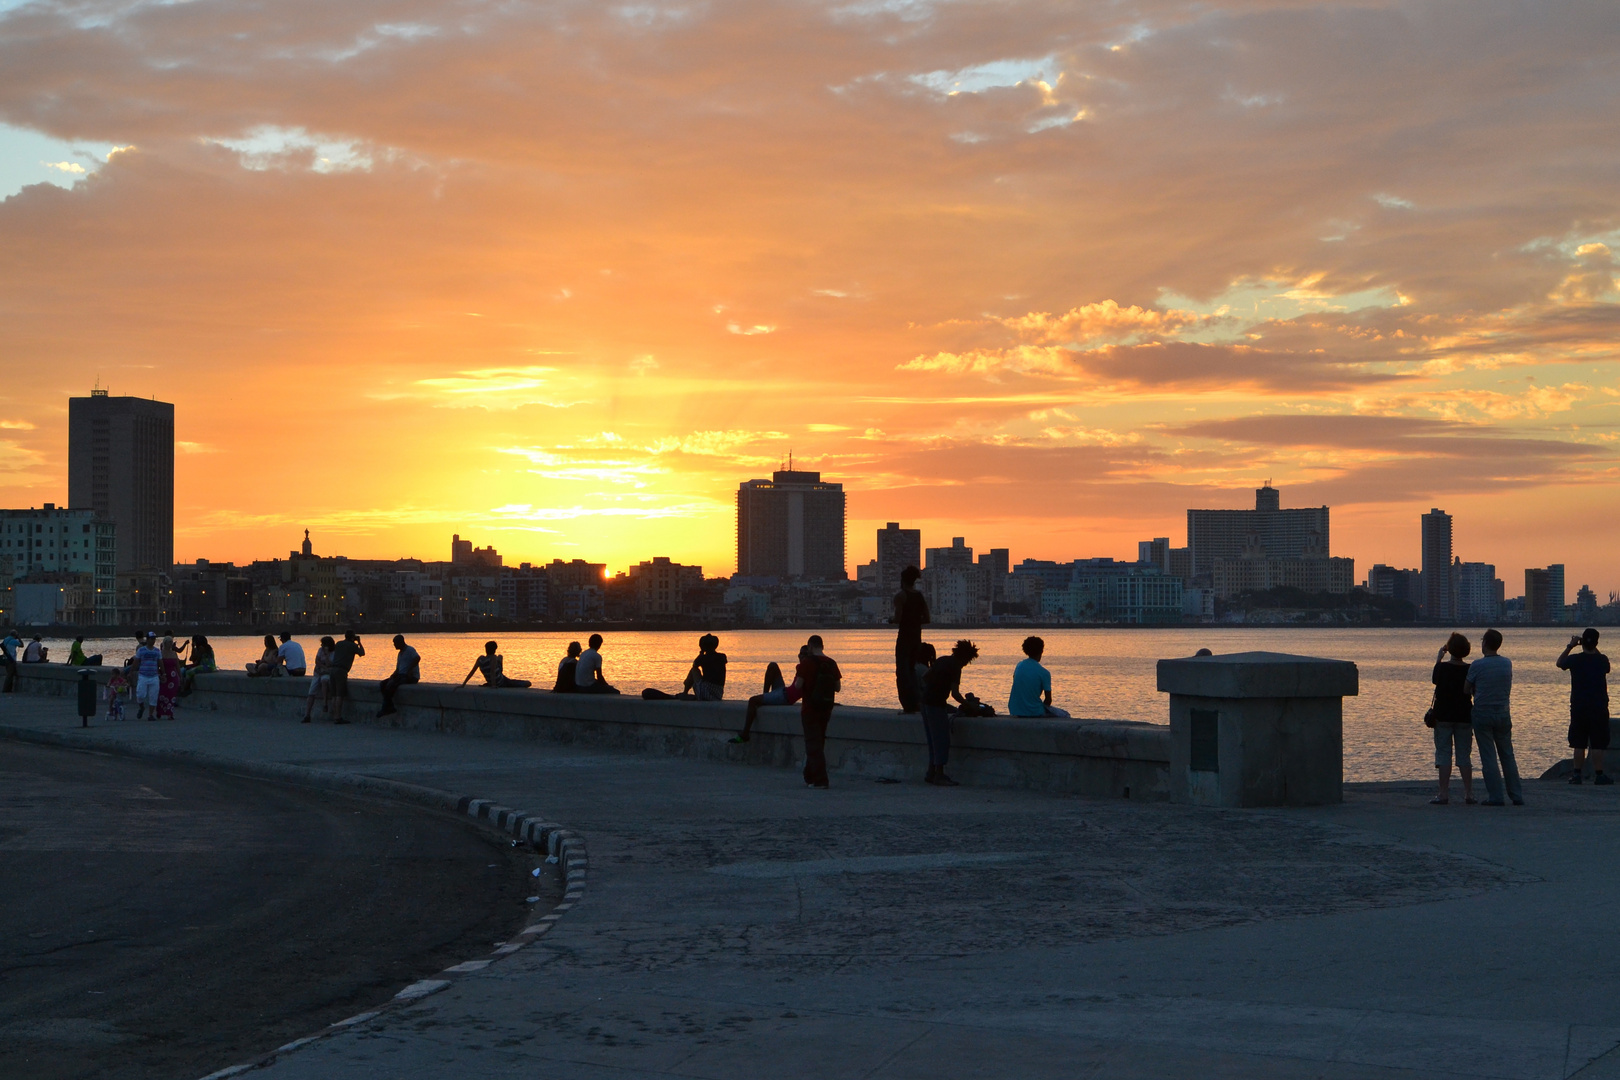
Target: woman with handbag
{"x": 1451, "y": 718}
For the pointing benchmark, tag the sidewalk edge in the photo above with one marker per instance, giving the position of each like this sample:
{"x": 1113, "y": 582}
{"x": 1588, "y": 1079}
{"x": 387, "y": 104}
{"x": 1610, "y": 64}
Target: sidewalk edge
{"x": 562, "y": 847}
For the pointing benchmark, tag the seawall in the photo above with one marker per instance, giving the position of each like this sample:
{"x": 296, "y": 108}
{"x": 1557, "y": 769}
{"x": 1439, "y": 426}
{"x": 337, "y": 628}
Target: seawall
{"x": 1108, "y": 758}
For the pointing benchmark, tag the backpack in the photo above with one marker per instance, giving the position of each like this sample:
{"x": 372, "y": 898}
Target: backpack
{"x": 825, "y": 681}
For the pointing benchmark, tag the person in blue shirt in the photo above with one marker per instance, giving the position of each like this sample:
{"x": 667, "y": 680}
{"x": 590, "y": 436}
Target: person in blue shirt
{"x": 1032, "y": 684}
{"x": 1588, "y": 703}
{"x": 148, "y": 676}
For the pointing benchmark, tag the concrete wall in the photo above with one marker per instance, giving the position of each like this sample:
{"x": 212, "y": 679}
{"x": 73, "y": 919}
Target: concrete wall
{"x": 1111, "y": 758}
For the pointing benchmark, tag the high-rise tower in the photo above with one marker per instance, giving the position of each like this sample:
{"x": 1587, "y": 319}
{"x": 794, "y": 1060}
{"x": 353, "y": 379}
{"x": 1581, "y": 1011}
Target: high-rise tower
{"x": 121, "y": 465}
{"x": 791, "y": 525}
{"x": 1439, "y": 588}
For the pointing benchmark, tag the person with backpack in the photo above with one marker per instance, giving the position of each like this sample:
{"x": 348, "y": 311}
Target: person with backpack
{"x": 943, "y": 681}
{"x": 819, "y": 675}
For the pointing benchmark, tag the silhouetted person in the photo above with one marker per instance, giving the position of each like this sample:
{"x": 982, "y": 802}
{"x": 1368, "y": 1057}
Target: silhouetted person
{"x": 1032, "y": 684}
{"x": 911, "y": 615}
{"x": 1453, "y": 719}
{"x": 494, "y": 669}
{"x": 407, "y": 669}
{"x": 269, "y": 661}
{"x": 343, "y": 656}
{"x": 588, "y": 678}
{"x": 1491, "y": 680}
{"x": 565, "y": 671}
{"x": 706, "y": 681}
{"x": 1588, "y": 703}
{"x": 321, "y": 685}
{"x": 944, "y": 681}
{"x": 8, "y": 656}
{"x": 777, "y": 691}
{"x": 821, "y": 679}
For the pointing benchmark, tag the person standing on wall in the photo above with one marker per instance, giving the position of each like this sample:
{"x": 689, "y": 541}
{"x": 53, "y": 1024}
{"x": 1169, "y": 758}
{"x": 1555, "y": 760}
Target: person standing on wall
{"x": 1588, "y": 703}
{"x": 819, "y": 675}
{"x": 911, "y": 615}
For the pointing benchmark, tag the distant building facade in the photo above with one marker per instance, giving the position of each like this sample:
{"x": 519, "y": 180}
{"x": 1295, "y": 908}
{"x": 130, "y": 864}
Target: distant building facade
{"x": 121, "y": 465}
{"x": 1439, "y": 590}
{"x": 1279, "y": 533}
{"x": 897, "y": 549}
{"x": 1544, "y": 594}
{"x": 1480, "y": 593}
{"x": 791, "y": 526}
{"x": 72, "y": 554}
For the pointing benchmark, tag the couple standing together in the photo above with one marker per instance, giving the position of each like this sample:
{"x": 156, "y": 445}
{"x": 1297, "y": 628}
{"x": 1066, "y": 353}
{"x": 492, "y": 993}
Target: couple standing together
{"x": 1471, "y": 704}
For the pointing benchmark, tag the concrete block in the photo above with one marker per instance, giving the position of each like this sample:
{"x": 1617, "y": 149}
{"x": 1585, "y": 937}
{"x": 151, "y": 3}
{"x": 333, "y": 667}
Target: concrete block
{"x": 1257, "y": 729}
{"x": 1258, "y": 675}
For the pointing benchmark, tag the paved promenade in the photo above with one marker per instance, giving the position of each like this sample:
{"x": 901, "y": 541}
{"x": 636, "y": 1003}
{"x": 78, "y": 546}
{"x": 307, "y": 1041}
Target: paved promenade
{"x": 739, "y": 925}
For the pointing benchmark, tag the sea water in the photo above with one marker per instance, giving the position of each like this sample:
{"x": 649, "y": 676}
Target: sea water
{"x": 1100, "y": 673}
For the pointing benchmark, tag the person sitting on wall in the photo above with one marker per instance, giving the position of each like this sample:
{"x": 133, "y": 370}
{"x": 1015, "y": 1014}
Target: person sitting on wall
{"x": 76, "y": 657}
{"x": 35, "y": 652}
{"x": 269, "y": 662}
{"x": 777, "y": 691}
{"x": 1032, "y": 684}
{"x": 705, "y": 681}
{"x": 494, "y": 669}
{"x": 588, "y": 677}
{"x": 565, "y": 671}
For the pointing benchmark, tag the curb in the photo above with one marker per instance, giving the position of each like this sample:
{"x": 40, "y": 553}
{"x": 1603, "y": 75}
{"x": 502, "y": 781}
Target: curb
{"x": 563, "y": 847}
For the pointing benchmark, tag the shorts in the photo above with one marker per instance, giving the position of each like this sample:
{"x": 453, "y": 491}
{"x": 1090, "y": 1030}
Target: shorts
{"x": 1589, "y": 729}
{"x": 318, "y": 684}
{"x": 340, "y": 684}
{"x": 708, "y": 691}
{"x": 775, "y": 697}
{"x": 1448, "y": 735}
{"x": 146, "y": 690}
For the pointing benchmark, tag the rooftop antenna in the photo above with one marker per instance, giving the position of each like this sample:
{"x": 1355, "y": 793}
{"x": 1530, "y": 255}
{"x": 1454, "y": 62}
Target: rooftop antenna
{"x": 790, "y": 461}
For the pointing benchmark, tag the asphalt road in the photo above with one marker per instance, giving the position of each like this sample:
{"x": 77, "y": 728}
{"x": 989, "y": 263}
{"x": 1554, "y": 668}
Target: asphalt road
{"x": 161, "y": 921}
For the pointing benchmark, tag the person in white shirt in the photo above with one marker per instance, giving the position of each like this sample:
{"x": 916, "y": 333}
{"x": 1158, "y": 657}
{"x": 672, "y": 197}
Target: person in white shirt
{"x": 292, "y": 654}
{"x": 588, "y": 671}
{"x": 407, "y": 669}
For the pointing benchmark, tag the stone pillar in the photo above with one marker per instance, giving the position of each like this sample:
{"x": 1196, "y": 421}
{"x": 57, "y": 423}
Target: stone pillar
{"x": 1257, "y": 728}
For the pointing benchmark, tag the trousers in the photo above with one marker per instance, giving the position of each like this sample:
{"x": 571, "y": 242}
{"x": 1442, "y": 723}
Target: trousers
{"x": 815, "y": 743}
{"x": 1495, "y": 740}
{"x": 905, "y": 677}
{"x": 937, "y": 728}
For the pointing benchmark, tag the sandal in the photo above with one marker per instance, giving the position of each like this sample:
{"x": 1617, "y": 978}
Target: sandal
{"x": 1438, "y": 801}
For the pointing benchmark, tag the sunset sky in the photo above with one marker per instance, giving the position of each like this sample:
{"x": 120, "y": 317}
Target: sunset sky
{"x": 557, "y": 276}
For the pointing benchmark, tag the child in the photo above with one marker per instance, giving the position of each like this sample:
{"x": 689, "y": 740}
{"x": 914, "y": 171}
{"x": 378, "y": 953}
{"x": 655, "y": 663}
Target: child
{"x": 117, "y": 693}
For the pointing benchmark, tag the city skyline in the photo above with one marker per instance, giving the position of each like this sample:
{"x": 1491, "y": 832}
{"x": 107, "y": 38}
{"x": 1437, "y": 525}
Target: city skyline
{"x": 1044, "y": 276}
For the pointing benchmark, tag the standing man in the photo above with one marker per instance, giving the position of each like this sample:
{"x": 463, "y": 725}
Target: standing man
{"x": 8, "y": 656}
{"x": 343, "y": 654}
{"x": 407, "y": 669}
{"x": 943, "y": 681}
{"x": 1490, "y": 678}
{"x": 148, "y": 669}
{"x": 821, "y": 679}
{"x": 1588, "y": 703}
{"x": 911, "y": 615}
